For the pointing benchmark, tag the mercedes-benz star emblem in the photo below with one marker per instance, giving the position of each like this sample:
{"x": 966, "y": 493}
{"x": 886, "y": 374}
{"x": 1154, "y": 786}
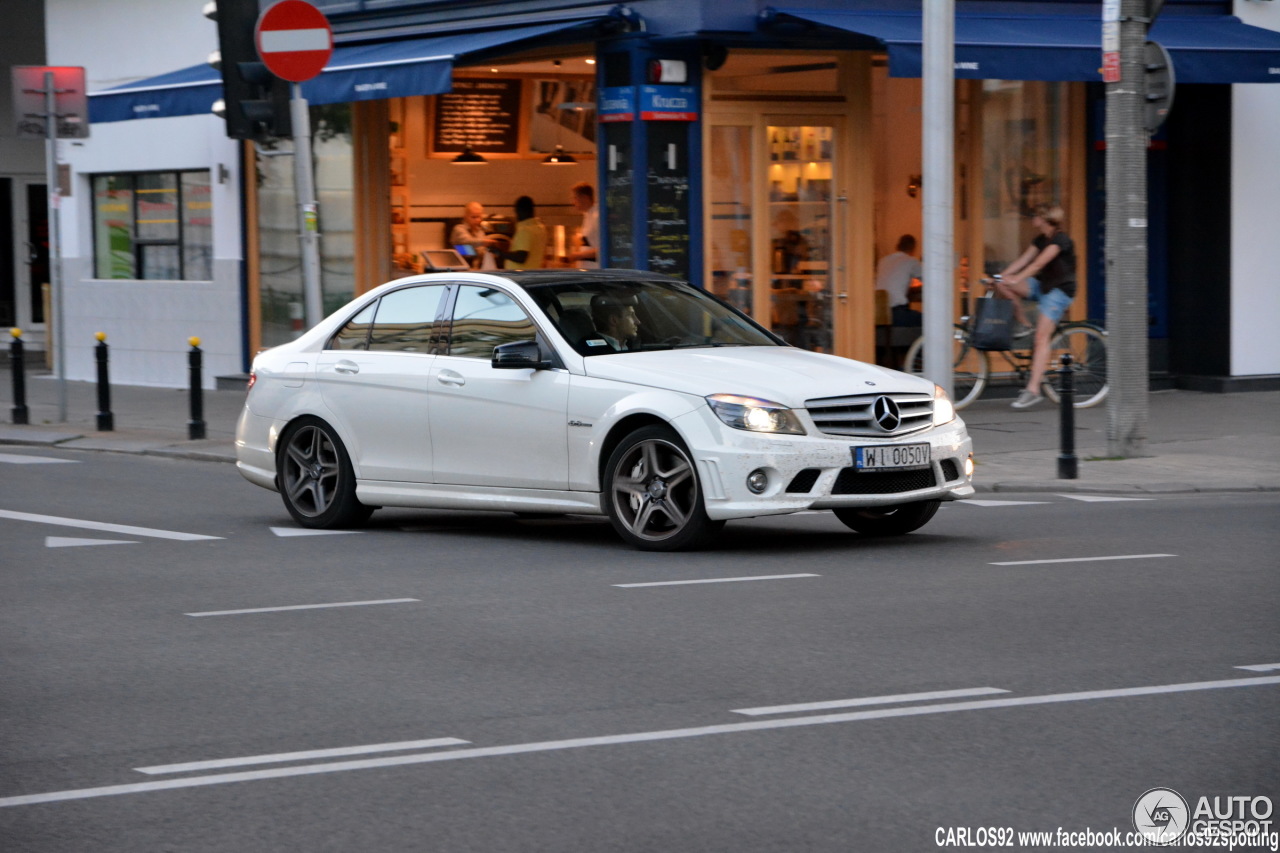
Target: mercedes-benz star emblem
{"x": 886, "y": 413}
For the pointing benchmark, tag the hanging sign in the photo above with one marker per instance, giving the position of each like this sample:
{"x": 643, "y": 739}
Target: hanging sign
{"x": 617, "y": 103}
{"x": 668, "y": 103}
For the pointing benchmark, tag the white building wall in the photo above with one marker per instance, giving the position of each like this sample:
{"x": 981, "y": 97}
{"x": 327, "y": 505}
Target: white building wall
{"x": 1255, "y": 212}
{"x": 147, "y": 322}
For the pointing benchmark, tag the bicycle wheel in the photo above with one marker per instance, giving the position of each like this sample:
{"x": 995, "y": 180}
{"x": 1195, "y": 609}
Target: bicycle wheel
{"x": 969, "y": 367}
{"x": 1088, "y": 348}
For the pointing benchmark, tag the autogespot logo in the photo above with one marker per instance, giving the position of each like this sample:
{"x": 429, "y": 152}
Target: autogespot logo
{"x": 1161, "y": 815}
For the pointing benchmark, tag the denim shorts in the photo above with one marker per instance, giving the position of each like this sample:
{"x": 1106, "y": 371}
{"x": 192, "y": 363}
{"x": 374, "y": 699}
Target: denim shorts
{"x": 1052, "y": 304}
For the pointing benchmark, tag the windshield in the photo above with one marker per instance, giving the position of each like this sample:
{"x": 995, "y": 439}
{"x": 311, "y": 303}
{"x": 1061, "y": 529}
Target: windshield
{"x": 604, "y": 317}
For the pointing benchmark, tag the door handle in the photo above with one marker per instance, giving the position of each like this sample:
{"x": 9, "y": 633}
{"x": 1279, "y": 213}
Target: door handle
{"x": 449, "y": 377}
{"x": 345, "y": 366}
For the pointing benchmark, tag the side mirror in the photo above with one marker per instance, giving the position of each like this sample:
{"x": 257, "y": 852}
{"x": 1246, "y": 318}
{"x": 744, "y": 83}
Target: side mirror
{"x": 519, "y": 355}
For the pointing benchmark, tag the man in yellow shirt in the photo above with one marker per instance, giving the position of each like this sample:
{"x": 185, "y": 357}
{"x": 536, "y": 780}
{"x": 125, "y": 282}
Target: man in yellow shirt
{"x": 529, "y": 243}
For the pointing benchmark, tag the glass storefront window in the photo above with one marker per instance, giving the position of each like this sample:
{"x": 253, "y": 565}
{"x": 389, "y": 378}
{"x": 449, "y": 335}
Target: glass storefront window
{"x": 139, "y": 233}
{"x": 279, "y": 252}
{"x": 1024, "y": 138}
{"x": 800, "y": 217}
{"x": 729, "y": 237}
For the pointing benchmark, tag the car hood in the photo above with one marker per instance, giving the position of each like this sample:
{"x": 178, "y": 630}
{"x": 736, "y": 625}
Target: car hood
{"x": 781, "y": 374}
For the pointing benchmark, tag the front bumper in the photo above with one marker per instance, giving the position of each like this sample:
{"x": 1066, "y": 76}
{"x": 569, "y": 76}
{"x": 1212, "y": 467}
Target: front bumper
{"x": 816, "y": 471}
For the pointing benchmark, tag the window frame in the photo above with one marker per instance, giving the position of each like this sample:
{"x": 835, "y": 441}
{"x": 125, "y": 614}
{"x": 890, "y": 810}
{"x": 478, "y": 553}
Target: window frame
{"x": 139, "y": 246}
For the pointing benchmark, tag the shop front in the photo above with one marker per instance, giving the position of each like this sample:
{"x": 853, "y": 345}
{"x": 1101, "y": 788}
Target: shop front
{"x": 770, "y": 156}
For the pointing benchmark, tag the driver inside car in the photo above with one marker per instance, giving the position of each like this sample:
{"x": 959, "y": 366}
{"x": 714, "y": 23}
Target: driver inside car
{"x": 616, "y": 321}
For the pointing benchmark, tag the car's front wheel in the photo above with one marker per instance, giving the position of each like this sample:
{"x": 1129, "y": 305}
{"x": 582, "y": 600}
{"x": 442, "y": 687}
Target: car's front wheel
{"x": 652, "y": 493}
{"x": 888, "y": 520}
{"x": 316, "y": 478}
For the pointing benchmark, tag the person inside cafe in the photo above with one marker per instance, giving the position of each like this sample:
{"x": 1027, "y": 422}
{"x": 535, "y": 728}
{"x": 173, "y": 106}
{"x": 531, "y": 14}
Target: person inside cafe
{"x": 529, "y": 243}
{"x": 894, "y": 275}
{"x": 472, "y": 241}
{"x": 585, "y": 252}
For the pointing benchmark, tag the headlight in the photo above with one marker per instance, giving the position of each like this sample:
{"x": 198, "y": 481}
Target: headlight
{"x": 756, "y": 415}
{"x": 943, "y": 411}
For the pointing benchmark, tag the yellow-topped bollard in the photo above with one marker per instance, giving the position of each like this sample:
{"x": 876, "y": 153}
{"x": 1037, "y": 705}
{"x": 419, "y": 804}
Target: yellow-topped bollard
{"x": 194, "y": 341}
{"x": 100, "y": 337}
{"x": 196, "y": 426}
{"x": 17, "y": 364}
{"x": 106, "y": 420}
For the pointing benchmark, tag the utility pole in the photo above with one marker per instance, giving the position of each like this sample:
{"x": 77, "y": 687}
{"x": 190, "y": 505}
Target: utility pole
{"x": 939, "y": 28}
{"x": 1128, "y": 368}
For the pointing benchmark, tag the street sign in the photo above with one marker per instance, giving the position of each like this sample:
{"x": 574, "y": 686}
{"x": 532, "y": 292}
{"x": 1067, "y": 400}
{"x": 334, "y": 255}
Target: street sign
{"x": 294, "y": 40}
{"x": 71, "y": 104}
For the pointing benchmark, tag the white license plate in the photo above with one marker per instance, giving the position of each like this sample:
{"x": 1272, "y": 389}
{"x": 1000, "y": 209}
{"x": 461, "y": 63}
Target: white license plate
{"x": 891, "y": 456}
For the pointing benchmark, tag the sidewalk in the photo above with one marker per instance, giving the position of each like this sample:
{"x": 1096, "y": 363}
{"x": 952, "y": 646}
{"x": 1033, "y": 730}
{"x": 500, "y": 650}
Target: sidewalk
{"x": 1197, "y": 442}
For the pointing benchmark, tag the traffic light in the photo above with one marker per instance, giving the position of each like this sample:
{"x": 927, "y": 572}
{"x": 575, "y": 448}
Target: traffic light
{"x": 255, "y": 103}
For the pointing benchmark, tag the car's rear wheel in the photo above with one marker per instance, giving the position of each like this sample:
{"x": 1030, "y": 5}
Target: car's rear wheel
{"x": 888, "y": 520}
{"x": 316, "y": 479}
{"x": 652, "y": 493}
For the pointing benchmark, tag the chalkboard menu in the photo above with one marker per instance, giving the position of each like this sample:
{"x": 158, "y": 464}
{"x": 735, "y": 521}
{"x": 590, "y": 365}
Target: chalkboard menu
{"x": 483, "y": 115}
{"x": 619, "y": 196}
{"x": 668, "y": 180}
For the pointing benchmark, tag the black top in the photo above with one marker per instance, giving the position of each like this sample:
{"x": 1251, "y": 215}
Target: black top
{"x": 1061, "y": 271}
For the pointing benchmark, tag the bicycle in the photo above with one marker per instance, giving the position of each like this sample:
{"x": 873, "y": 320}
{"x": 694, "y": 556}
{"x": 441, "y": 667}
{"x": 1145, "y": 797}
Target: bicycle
{"x": 971, "y": 367}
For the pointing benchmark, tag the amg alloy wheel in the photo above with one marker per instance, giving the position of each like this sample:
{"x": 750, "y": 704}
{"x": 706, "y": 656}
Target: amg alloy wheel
{"x": 652, "y": 493}
{"x": 888, "y": 520}
{"x": 316, "y": 479}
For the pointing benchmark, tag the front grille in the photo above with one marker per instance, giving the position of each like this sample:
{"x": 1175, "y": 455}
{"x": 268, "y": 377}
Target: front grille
{"x": 851, "y": 481}
{"x": 802, "y": 483}
{"x": 854, "y": 415}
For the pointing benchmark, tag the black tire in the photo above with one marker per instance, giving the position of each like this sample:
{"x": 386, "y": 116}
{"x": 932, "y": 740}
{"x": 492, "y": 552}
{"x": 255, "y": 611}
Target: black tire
{"x": 316, "y": 479}
{"x": 969, "y": 367}
{"x": 652, "y": 495}
{"x": 888, "y": 520}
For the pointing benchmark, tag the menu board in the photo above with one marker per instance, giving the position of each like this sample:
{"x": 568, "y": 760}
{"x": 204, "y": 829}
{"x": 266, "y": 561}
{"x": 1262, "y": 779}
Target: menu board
{"x": 618, "y": 193}
{"x": 482, "y": 114}
{"x": 668, "y": 213}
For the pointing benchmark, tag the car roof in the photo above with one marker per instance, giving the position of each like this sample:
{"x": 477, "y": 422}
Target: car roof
{"x": 526, "y": 278}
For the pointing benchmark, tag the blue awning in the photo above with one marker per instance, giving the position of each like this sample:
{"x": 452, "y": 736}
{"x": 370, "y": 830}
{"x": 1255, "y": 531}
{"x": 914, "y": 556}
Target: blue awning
{"x": 364, "y": 72}
{"x": 1042, "y": 41}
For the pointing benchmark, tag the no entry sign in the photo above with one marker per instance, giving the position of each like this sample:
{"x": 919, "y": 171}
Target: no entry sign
{"x": 294, "y": 40}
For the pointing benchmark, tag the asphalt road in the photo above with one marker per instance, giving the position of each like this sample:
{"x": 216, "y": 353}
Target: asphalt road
{"x": 450, "y": 681}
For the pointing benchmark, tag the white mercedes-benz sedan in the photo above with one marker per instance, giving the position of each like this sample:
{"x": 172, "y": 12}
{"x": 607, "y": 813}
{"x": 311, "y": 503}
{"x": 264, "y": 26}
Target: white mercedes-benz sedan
{"x": 610, "y": 392}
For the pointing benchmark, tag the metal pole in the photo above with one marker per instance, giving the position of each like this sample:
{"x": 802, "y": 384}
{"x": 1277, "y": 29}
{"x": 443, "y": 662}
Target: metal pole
{"x": 17, "y": 363}
{"x": 308, "y": 209}
{"x": 1126, "y": 241}
{"x": 939, "y": 188}
{"x": 55, "y": 248}
{"x": 106, "y": 421}
{"x": 1068, "y": 468}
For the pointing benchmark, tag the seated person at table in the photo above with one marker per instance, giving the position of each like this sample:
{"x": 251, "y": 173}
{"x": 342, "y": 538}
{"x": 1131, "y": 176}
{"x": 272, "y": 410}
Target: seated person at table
{"x": 894, "y": 274}
{"x": 529, "y": 243}
{"x": 470, "y": 232}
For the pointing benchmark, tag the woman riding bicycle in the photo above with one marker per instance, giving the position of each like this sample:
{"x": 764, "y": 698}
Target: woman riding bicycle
{"x": 1046, "y": 273}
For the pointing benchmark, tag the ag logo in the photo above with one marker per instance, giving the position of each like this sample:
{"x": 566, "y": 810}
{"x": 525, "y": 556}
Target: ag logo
{"x": 1161, "y": 815}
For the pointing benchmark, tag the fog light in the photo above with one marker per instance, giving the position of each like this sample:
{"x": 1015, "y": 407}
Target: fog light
{"x": 968, "y": 466}
{"x": 757, "y": 481}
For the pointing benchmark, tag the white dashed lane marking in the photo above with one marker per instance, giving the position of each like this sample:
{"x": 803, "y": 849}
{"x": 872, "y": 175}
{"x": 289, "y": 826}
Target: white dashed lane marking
{"x": 1101, "y": 498}
{"x": 250, "y": 760}
{"x": 126, "y": 529}
{"x": 18, "y": 459}
{"x": 870, "y": 700}
{"x": 66, "y": 542}
{"x": 1084, "y": 559}
{"x": 303, "y": 531}
{"x": 629, "y": 738}
{"x": 715, "y": 580}
{"x": 302, "y": 607}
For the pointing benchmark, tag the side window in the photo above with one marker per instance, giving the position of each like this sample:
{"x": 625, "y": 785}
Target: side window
{"x": 483, "y": 318}
{"x": 355, "y": 334}
{"x": 406, "y": 320}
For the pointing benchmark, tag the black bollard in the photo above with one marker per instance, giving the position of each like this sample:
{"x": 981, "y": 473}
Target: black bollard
{"x": 17, "y": 362}
{"x": 195, "y": 427}
{"x": 1067, "y": 462}
{"x": 106, "y": 421}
